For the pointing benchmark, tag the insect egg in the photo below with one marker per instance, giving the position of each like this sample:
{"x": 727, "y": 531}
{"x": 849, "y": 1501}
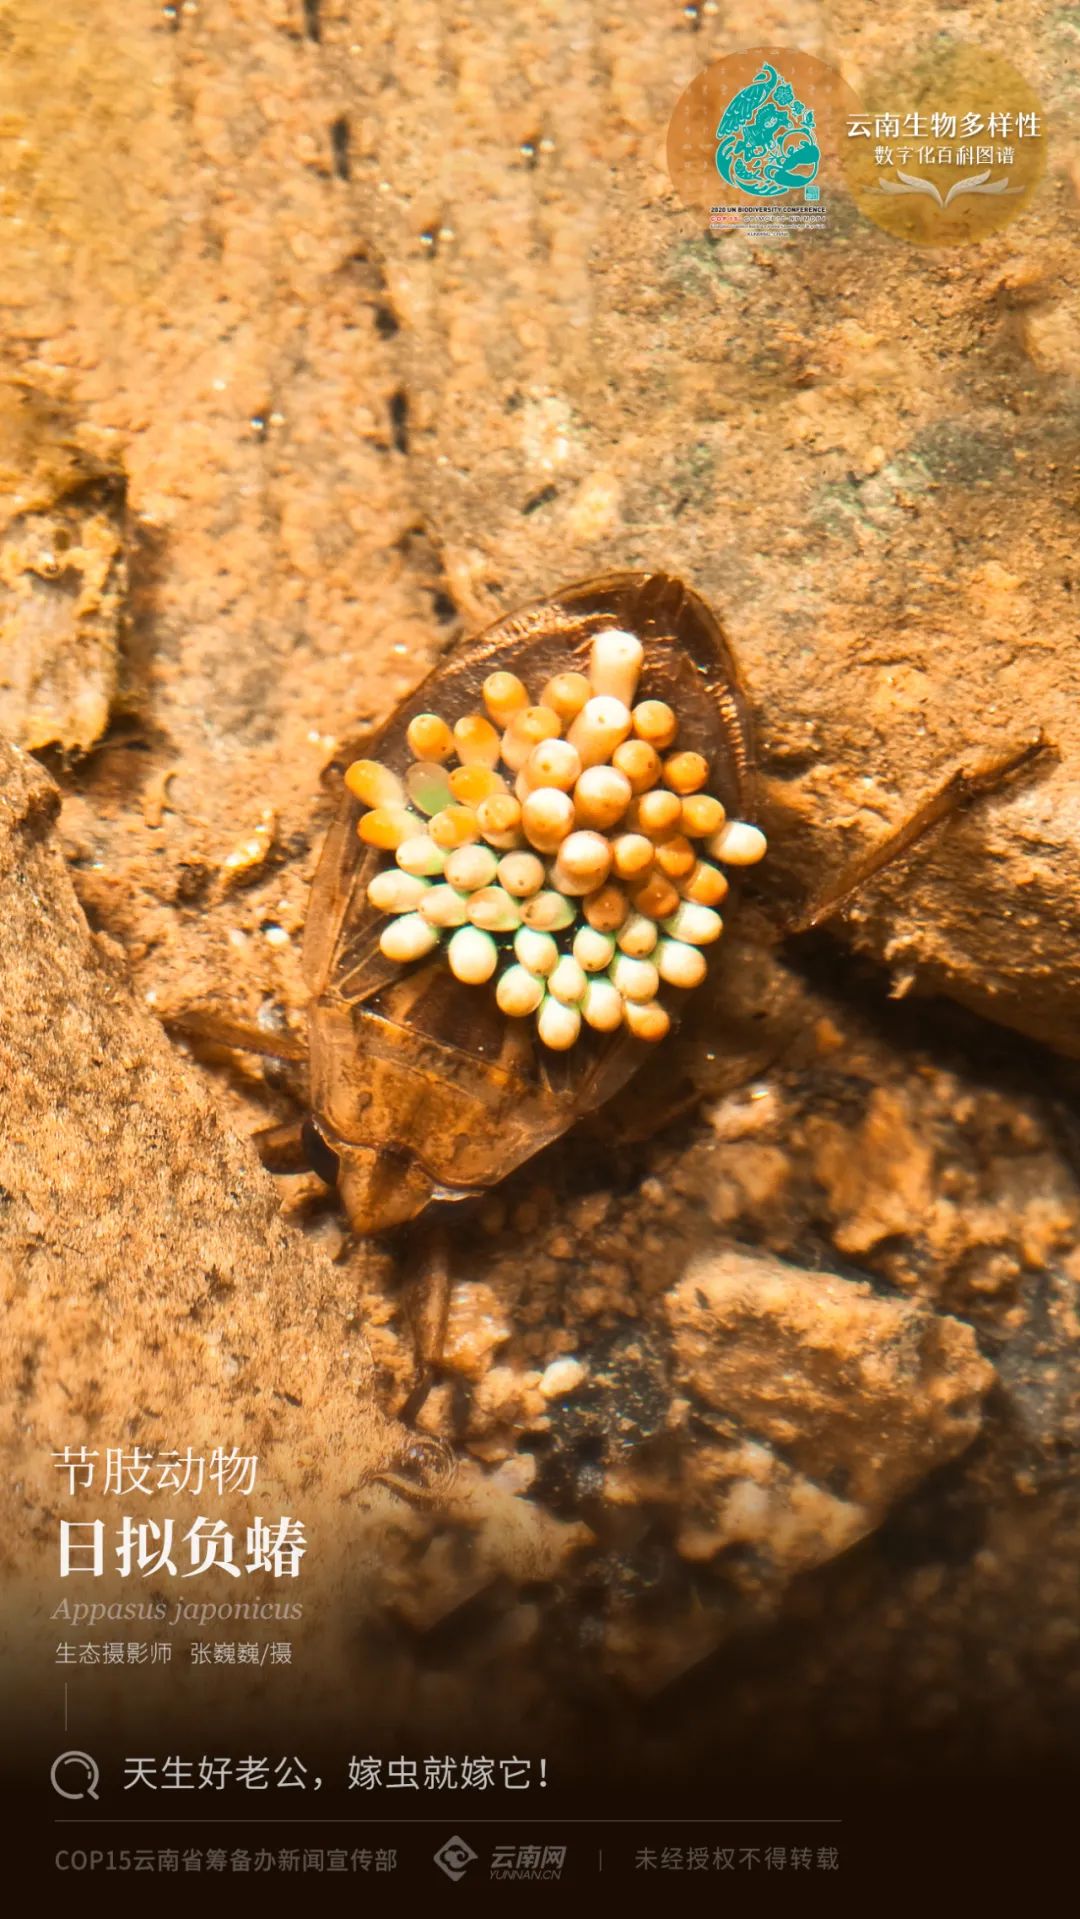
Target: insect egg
{"x": 738, "y": 844}
{"x": 615, "y": 665}
{"x": 558, "y": 1025}
{"x": 388, "y": 826}
{"x": 658, "y": 811}
{"x": 566, "y": 694}
{"x": 655, "y": 723}
{"x": 499, "y": 820}
{"x": 473, "y": 784}
{"x": 634, "y": 978}
{"x": 552, "y": 763}
{"x": 495, "y": 910}
{"x": 393, "y": 891}
{"x": 428, "y": 786}
{"x": 512, "y": 821}
{"x": 603, "y": 1006}
{"x": 676, "y": 857}
{"x": 701, "y": 815}
{"x": 637, "y": 936}
{"x": 470, "y": 867}
{"x": 600, "y": 727}
{"x": 444, "y": 906}
{"x": 537, "y": 952}
{"x": 374, "y": 784}
{"x": 647, "y": 1019}
{"x": 548, "y": 912}
{"x": 504, "y": 695}
{"x": 547, "y": 817}
{"x": 407, "y": 938}
{"x": 420, "y": 855}
{"x": 685, "y": 772}
{"x": 567, "y": 981}
{"x": 632, "y": 855}
{"x": 679, "y": 964}
{"x": 525, "y": 731}
{"x": 697, "y": 924}
{"x": 639, "y": 763}
{"x": 592, "y": 950}
{"x": 656, "y": 897}
{"x": 429, "y": 738}
{"x": 582, "y": 864}
{"x": 601, "y": 796}
{"x": 476, "y": 740}
{"x": 473, "y": 955}
{"x": 706, "y": 885}
{"x": 455, "y": 826}
{"x": 518, "y": 992}
{"x": 521, "y": 873}
{"x": 606, "y": 909}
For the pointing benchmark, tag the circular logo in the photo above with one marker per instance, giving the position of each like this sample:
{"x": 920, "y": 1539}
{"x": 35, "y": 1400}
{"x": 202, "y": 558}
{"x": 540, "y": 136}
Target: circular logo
{"x": 454, "y": 1856}
{"x": 756, "y": 140}
{"x": 947, "y": 148}
{"x": 75, "y": 1775}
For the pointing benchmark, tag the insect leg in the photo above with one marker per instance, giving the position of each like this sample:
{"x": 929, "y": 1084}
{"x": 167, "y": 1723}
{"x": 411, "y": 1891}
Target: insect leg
{"x": 201, "y": 1023}
{"x": 426, "y": 1297}
{"x": 965, "y": 784}
{"x": 283, "y": 1149}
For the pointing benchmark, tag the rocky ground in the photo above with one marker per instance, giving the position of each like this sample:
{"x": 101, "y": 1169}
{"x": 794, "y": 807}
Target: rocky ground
{"x": 323, "y": 346}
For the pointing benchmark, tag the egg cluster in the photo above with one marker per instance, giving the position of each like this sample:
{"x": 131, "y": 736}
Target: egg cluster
{"x": 568, "y": 844}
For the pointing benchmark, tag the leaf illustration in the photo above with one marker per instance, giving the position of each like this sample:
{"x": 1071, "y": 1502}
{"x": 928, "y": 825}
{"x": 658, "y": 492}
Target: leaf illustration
{"x": 915, "y": 185}
{"x": 974, "y": 183}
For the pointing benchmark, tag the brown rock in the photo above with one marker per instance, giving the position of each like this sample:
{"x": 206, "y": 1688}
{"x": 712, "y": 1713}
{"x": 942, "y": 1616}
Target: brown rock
{"x": 862, "y": 1395}
{"x": 154, "y": 1297}
{"x": 745, "y": 1497}
{"x": 63, "y": 577}
{"x": 882, "y": 1187}
{"x": 147, "y": 1255}
{"x": 476, "y": 1327}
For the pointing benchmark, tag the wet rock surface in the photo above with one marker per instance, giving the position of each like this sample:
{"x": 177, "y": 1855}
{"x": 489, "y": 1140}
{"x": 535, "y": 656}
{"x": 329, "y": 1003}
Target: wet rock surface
{"x": 154, "y": 1298}
{"x": 63, "y": 579}
{"x": 860, "y": 1395}
{"x": 300, "y": 408}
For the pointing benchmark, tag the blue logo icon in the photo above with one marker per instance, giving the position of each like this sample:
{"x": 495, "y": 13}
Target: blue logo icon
{"x": 766, "y": 137}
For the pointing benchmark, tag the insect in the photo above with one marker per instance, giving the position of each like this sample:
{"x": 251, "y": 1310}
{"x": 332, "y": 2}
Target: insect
{"x": 430, "y": 1079}
{"x": 515, "y": 898}
{"x": 518, "y": 893}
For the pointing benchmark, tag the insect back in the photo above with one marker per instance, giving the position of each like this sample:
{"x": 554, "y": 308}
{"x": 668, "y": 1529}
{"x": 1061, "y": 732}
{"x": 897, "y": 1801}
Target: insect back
{"x": 521, "y": 884}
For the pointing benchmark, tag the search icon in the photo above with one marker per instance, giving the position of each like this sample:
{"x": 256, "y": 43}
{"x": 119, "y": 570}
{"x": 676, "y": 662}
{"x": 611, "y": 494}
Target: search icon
{"x": 78, "y": 1765}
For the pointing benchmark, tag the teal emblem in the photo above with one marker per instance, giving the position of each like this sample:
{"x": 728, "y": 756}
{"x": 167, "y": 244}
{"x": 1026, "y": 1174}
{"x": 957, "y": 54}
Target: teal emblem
{"x": 766, "y": 138}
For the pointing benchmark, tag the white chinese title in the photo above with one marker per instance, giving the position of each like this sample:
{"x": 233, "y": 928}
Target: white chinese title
{"x": 134, "y": 1545}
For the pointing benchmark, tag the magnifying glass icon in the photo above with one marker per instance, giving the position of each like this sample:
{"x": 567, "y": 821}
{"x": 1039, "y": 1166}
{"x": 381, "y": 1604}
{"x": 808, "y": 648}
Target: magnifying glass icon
{"x": 81, "y": 1775}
